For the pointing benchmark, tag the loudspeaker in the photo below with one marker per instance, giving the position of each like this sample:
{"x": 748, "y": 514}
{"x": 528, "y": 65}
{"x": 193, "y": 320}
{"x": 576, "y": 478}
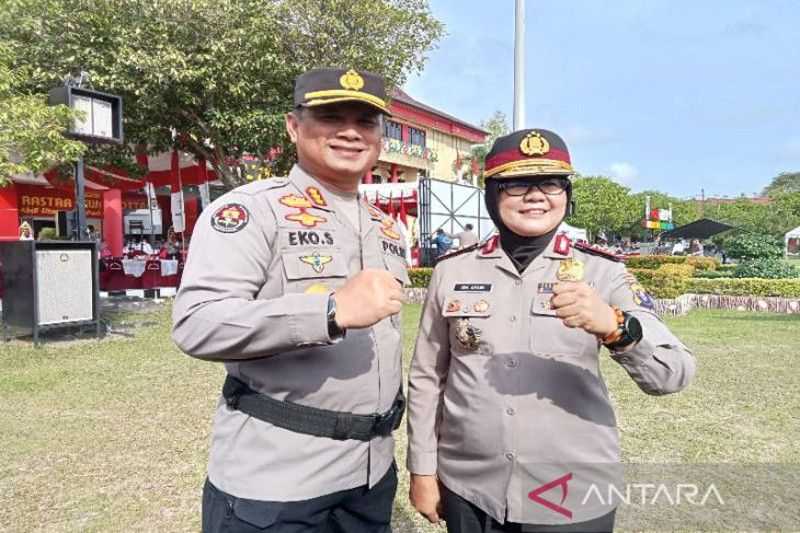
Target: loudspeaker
{"x": 48, "y": 284}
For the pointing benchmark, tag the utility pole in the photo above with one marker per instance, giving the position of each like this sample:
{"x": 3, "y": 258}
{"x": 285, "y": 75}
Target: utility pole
{"x": 519, "y": 65}
{"x": 702, "y": 203}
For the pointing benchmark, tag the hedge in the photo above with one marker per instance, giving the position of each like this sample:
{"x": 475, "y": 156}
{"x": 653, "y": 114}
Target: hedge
{"x": 786, "y": 288}
{"x": 420, "y": 277}
{"x": 653, "y": 262}
{"x": 660, "y": 285}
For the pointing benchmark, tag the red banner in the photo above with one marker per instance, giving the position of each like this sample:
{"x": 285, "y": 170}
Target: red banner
{"x": 34, "y": 201}
{"x": 134, "y": 201}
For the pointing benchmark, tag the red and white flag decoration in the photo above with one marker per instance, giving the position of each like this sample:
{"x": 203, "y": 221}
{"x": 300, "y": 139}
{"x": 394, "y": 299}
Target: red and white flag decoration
{"x": 176, "y": 196}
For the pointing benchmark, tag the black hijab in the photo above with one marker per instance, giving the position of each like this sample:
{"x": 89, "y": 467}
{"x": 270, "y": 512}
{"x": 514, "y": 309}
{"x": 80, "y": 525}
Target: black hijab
{"x": 521, "y": 250}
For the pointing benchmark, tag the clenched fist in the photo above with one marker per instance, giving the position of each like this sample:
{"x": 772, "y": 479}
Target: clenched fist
{"x": 367, "y": 298}
{"x": 426, "y": 497}
{"x": 579, "y": 306}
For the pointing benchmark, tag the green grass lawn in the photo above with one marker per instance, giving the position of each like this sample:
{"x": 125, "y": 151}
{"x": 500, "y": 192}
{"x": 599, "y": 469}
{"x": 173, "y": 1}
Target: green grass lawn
{"x": 113, "y": 435}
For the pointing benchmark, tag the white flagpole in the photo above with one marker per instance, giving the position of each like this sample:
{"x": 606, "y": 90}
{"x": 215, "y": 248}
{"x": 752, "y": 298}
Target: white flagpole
{"x": 519, "y": 65}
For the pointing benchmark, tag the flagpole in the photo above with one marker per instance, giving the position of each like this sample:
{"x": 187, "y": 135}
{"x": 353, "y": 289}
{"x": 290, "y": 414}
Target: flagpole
{"x": 519, "y": 65}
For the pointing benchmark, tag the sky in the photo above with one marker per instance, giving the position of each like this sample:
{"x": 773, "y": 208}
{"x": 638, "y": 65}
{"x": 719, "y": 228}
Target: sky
{"x": 677, "y": 96}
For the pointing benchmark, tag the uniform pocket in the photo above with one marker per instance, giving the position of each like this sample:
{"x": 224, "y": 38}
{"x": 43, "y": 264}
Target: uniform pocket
{"x": 314, "y": 270}
{"x": 549, "y": 335}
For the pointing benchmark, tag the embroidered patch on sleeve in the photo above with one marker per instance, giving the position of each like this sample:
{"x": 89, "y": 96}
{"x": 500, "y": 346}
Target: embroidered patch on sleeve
{"x": 230, "y": 218}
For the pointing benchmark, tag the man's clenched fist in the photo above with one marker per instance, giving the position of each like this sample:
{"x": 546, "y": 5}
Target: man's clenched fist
{"x": 367, "y": 298}
{"x": 579, "y": 306}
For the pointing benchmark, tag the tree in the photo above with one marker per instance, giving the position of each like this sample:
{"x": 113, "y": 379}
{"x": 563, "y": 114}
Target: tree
{"x": 212, "y": 77}
{"x": 31, "y": 132}
{"x": 475, "y": 163}
{"x": 601, "y": 205}
{"x": 784, "y": 182}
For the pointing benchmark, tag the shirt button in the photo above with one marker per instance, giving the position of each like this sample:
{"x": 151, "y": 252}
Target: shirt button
{"x": 512, "y": 363}
{"x": 513, "y": 318}
{"x": 510, "y": 411}
{"x": 510, "y": 456}
{"x": 518, "y": 282}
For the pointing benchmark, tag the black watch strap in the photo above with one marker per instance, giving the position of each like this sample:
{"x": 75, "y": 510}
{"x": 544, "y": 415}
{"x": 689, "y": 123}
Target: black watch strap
{"x": 334, "y": 331}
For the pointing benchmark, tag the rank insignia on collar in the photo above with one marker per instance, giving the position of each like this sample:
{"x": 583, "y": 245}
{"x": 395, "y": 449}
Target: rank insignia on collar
{"x": 316, "y": 261}
{"x": 467, "y": 335}
{"x": 302, "y": 204}
{"x": 562, "y": 244}
{"x": 316, "y": 197}
{"x": 230, "y": 218}
{"x": 570, "y": 270}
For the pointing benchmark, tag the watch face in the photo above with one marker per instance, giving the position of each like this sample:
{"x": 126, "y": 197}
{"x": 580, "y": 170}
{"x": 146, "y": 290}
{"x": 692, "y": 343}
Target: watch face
{"x": 633, "y": 328}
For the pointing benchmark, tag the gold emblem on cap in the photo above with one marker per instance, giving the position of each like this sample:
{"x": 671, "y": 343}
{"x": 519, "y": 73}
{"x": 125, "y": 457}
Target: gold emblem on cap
{"x": 352, "y": 80}
{"x": 570, "y": 270}
{"x": 534, "y": 144}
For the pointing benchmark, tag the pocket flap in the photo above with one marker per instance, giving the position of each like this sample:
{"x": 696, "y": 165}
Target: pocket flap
{"x": 309, "y": 264}
{"x": 540, "y": 305}
{"x": 466, "y": 306}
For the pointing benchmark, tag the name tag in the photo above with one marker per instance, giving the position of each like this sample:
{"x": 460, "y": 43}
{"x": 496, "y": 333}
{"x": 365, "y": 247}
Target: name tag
{"x": 473, "y": 287}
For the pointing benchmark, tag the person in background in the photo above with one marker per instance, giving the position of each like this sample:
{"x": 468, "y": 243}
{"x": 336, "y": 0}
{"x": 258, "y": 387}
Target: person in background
{"x": 25, "y": 232}
{"x": 467, "y": 237}
{"x": 443, "y": 242}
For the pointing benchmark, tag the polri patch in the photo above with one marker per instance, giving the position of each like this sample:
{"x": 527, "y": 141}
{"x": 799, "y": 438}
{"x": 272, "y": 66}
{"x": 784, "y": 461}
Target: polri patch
{"x": 230, "y": 218}
{"x": 473, "y": 287}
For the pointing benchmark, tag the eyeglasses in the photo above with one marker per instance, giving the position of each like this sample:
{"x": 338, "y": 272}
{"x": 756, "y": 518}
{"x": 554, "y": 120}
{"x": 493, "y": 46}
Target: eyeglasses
{"x": 549, "y": 186}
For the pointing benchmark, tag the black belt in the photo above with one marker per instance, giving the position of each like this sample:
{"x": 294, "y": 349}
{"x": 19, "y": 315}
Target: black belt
{"x": 312, "y": 420}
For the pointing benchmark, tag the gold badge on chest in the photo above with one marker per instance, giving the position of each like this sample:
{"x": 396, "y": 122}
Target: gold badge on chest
{"x": 570, "y": 270}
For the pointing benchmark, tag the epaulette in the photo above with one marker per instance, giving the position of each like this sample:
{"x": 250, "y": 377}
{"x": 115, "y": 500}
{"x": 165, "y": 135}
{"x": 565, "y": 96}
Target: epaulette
{"x": 450, "y": 255}
{"x": 594, "y": 250}
{"x": 258, "y": 186}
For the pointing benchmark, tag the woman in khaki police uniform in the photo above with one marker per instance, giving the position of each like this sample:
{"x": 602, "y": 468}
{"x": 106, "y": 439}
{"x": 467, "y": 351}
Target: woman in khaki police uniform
{"x": 510, "y": 422}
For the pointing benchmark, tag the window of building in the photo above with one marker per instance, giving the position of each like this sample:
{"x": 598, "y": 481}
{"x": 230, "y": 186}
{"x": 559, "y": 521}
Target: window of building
{"x": 417, "y": 137}
{"x": 392, "y": 130}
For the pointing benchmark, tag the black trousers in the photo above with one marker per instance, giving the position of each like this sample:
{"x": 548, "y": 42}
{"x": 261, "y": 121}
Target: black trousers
{"x": 463, "y": 517}
{"x": 358, "y": 510}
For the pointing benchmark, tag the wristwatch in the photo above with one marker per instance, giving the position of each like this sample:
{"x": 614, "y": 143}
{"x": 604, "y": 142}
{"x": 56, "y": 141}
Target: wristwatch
{"x": 629, "y": 331}
{"x": 334, "y": 331}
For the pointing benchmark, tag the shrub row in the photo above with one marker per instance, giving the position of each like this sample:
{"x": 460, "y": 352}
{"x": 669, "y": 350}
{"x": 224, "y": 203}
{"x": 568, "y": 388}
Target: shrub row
{"x": 420, "y": 277}
{"x": 666, "y": 285}
{"x": 786, "y": 288}
{"x": 653, "y": 262}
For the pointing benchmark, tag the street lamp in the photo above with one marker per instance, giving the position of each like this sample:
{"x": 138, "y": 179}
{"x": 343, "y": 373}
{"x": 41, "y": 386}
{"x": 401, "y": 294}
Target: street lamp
{"x": 99, "y": 122}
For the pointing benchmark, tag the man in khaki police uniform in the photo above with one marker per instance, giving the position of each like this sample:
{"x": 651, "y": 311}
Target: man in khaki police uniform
{"x": 296, "y": 284}
{"x": 508, "y": 414}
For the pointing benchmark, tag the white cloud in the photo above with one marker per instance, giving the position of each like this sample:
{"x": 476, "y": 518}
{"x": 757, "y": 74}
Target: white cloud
{"x": 624, "y": 172}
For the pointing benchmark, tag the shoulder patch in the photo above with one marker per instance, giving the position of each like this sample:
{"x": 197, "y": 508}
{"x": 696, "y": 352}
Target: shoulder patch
{"x": 593, "y": 250}
{"x": 458, "y": 252}
{"x": 230, "y": 218}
